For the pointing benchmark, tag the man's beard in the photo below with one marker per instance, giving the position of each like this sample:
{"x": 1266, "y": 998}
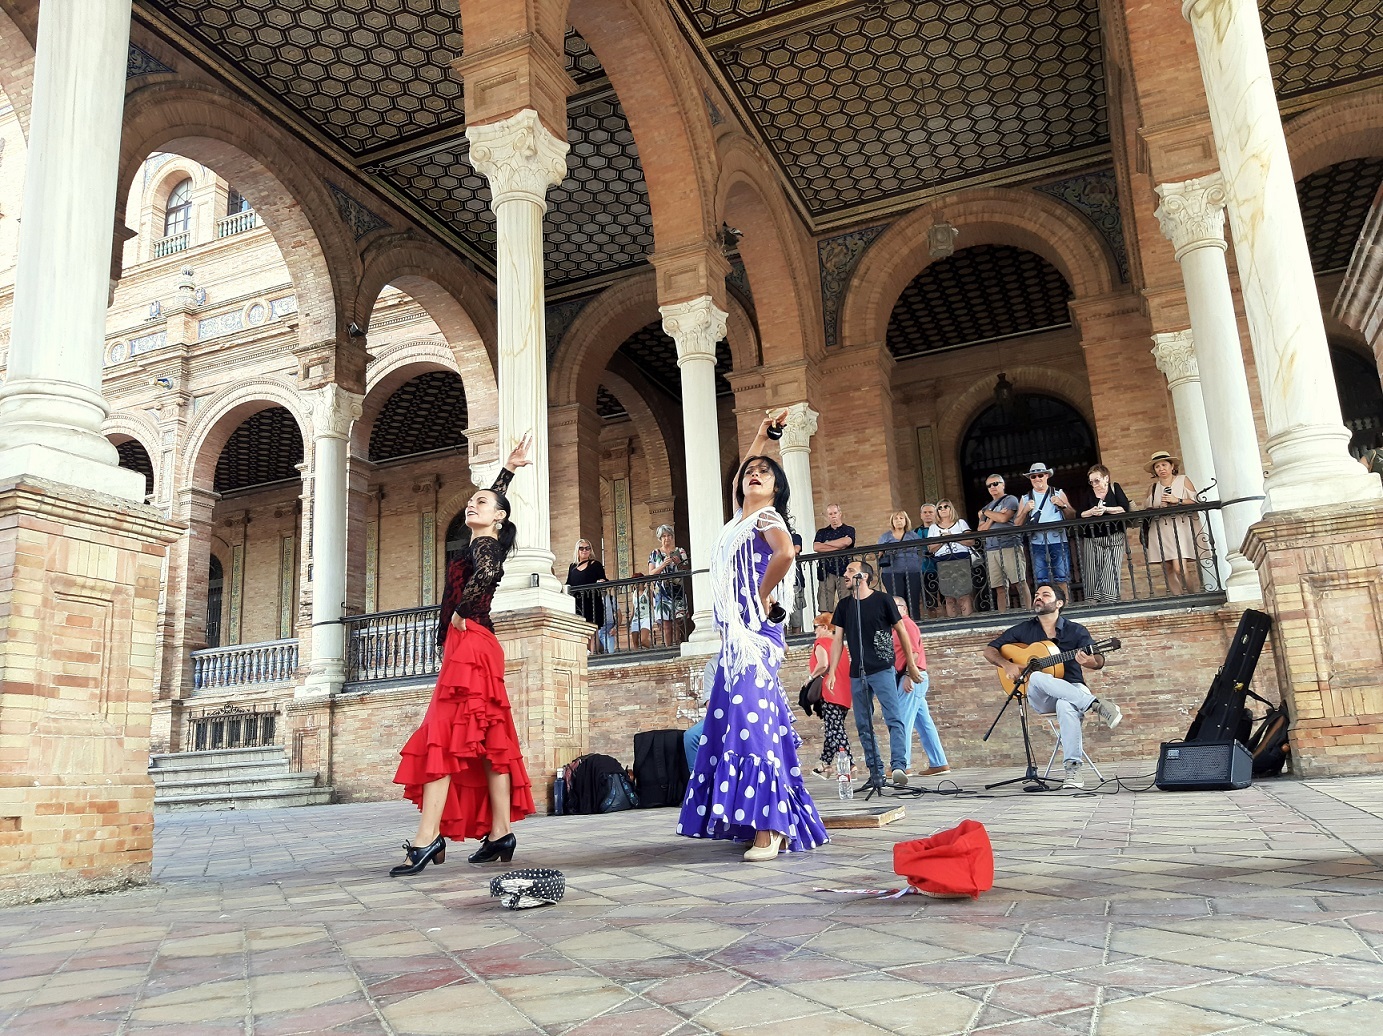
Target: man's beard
{"x": 1045, "y": 607}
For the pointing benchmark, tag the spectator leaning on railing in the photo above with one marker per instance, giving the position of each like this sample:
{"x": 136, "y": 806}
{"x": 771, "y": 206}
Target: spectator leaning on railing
{"x": 1042, "y": 505}
{"x": 836, "y": 535}
{"x": 1003, "y": 555}
{"x": 901, "y": 569}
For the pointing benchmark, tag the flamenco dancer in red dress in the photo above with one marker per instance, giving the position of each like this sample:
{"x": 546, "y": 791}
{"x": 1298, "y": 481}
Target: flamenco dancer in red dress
{"x": 463, "y": 766}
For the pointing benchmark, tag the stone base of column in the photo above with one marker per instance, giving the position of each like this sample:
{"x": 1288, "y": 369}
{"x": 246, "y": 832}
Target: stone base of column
{"x": 27, "y": 460}
{"x": 1241, "y": 584}
{"x": 545, "y": 675}
{"x": 1322, "y": 576}
{"x": 324, "y": 679}
{"x": 79, "y": 585}
{"x": 705, "y": 638}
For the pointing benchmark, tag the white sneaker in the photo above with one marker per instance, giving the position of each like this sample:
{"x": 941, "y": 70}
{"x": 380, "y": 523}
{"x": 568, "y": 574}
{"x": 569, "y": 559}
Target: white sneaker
{"x": 1074, "y": 779}
{"x": 900, "y": 778}
{"x": 1109, "y": 712}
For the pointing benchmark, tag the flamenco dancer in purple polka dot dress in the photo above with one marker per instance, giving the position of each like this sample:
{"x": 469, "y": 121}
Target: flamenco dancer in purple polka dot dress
{"x": 747, "y": 785}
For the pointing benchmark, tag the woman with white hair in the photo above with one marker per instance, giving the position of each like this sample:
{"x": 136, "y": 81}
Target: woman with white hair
{"x": 670, "y": 597}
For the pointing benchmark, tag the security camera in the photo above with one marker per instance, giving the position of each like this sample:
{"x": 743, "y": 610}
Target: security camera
{"x": 354, "y": 330}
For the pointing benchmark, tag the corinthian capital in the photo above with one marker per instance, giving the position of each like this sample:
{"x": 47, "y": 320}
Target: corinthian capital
{"x": 800, "y": 427}
{"x": 1192, "y": 213}
{"x": 333, "y": 411}
{"x": 520, "y": 157}
{"x": 696, "y": 327}
{"x": 1175, "y": 353}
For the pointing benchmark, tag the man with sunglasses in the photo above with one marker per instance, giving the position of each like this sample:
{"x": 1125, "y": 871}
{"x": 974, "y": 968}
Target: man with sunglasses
{"x": 1003, "y": 555}
{"x": 1042, "y": 505}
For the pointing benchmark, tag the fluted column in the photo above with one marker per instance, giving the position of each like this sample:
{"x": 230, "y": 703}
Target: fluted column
{"x": 1307, "y": 441}
{"x": 795, "y": 448}
{"x": 1192, "y": 216}
{"x": 696, "y": 327}
{"x": 521, "y": 159}
{"x": 51, "y": 406}
{"x": 333, "y": 412}
{"x": 1175, "y": 354}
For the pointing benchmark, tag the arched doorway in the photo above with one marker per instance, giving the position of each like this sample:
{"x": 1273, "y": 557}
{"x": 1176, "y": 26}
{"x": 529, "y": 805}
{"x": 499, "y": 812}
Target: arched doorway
{"x": 1008, "y": 436}
{"x": 215, "y": 588}
{"x": 1361, "y": 397}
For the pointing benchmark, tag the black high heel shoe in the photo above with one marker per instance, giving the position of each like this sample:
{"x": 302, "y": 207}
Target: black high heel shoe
{"x": 489, "y": 851}
{"x": 420, "y": 856}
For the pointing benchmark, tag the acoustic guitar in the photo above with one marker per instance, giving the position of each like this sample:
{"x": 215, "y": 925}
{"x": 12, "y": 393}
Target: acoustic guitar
{"x": 1044, "y": 655}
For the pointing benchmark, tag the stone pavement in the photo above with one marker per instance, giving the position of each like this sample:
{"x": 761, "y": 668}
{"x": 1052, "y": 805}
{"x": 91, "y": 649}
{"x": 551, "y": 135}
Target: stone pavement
{"x": 1255, "y": 912}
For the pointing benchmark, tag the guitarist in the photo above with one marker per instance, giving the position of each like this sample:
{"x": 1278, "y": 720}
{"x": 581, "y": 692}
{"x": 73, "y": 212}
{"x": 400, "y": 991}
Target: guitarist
{"x": 1069, "y": 698}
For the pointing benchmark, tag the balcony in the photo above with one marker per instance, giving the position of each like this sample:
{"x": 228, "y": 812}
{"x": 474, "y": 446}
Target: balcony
{"x": 237, "y": 223}
{"x": 173, "y": 244}
{"x": 244, "y": 665}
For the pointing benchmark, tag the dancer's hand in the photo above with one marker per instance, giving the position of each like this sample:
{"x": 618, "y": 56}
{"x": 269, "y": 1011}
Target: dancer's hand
{"x": 458, "y": 622}
{"x": 773, "y": 420}
{"x": 518, "y": 456}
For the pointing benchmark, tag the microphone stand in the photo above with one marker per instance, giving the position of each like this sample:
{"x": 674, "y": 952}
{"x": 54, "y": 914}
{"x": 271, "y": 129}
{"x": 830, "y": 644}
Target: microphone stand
{"x": 1030, "y": 779}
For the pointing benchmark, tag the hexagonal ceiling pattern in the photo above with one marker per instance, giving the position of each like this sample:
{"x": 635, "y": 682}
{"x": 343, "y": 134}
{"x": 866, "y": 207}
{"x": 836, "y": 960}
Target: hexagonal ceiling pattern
{"x": 1315, "y": 44}
{"x": 1335, "y": 202}
{"x": 135, "y": 457}
{"x": 425, "y": 413}
{"x": 267, "y": 447}
{"x": 654, "y": 353}
{"x": 977, "y": 295}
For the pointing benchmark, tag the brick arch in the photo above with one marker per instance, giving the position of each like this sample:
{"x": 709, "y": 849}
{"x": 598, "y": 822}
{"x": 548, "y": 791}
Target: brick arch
{"x": 609, "y": 319}
{"x": 653, "y": 436}
{"x": 1348, "y": 127}
{"x": 224, "y": 412}
{"x": 787, "y": 297}
{"x": 967, "y": 405}
{"x": 985, "y": 216}
{"x": 392, "y": 368}
{"x": 216, "y": 129}
{"x": 127, "y": 424}
{"x": 17, "y": 70}
{"x": 457, "y": 302}
{"x": 641, "y": 49}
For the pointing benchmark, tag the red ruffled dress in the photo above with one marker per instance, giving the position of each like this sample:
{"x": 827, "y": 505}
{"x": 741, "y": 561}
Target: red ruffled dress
{"x": 469, "y": 720}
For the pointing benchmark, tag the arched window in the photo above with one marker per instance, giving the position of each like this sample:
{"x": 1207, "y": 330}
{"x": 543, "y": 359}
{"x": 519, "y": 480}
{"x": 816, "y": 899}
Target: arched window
{"x": 1006, "y": 438}
{"x": 177, "y": 214}
{"x": 215, "y": 589}
{"x": 235, "y": 203}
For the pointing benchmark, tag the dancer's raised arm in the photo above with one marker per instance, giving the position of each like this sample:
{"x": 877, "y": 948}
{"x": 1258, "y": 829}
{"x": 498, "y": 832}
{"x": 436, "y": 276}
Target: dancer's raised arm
{"x": 762, "y": 440}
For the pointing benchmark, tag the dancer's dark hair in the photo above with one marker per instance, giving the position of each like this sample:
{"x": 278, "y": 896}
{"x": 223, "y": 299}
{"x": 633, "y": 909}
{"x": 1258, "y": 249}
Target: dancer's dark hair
{"x": 780, "y": 486}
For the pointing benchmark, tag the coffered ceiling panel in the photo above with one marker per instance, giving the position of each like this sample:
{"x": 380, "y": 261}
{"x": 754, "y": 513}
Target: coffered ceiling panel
{"x": 977, "y": 295}
{"x": 1315, "y": 44}
{"x": 424, "y": 414}
{"x": 267, "y": 447}
{"x": 654, "y": 353}
{"x": 1335, "y": 203}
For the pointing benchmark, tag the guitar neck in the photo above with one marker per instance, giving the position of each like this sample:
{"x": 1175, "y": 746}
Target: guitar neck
{"x": 1047, "y": 661}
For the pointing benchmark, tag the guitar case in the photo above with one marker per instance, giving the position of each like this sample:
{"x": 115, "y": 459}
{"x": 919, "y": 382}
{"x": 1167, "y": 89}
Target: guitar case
{"x": 1223, "y": 715}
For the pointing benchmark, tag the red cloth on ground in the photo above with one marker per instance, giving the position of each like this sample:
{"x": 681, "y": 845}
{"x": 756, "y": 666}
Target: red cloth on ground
{"x": 956, "y": 862}
{"x": 468, "y": 722}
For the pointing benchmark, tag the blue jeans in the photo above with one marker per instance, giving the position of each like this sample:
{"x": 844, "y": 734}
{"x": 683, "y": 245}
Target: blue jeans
{"x": 1051, "y": 563}
{"x": 863, "y": 691}
{"x": 690, "y": 742}
{"x": 921, "y": 720}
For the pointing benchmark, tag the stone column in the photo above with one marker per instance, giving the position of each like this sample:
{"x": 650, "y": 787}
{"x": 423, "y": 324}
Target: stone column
{"x": 1176, "y": 358}
{"x": 51, "y": 406}
{"x": 333, "y": 411}
{"x": 522, "y": 158}
{"x": 1307, "y": 440}
{"x": 796, "y": 451}
{"x": 1192, "y": 216}
{"x": 696, "y": 326}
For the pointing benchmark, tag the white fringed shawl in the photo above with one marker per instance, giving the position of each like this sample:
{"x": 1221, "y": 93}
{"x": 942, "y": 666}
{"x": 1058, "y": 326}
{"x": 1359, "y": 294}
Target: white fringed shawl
{"x": 732, "y": 574}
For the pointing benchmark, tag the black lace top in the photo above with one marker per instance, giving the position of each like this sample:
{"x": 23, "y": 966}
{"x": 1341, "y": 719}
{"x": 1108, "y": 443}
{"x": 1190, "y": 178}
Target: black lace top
{"x": 472, "y": 577}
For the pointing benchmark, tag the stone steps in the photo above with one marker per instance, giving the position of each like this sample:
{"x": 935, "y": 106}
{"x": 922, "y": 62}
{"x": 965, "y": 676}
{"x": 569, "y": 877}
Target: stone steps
{"x": 234, "y": 778}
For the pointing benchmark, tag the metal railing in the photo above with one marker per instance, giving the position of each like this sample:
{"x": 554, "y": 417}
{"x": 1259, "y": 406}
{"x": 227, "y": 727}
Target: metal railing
{"x": 393, "y": 645}
{"x": 238, "y": 223}
{"x": 644, "y": 613}
{"x": 231, "y": 726}
{"x": 172, "y": 244}
{"x": 245, "y": 665}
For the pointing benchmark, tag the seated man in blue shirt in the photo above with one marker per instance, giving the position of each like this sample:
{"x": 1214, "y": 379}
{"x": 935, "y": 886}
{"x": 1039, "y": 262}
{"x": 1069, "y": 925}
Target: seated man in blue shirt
{"x": 1069, "y": 698}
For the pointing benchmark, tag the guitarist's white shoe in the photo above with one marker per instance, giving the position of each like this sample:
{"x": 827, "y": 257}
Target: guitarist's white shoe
{"x": 1109, "y": 712}
{"x": 1073, "y": 779}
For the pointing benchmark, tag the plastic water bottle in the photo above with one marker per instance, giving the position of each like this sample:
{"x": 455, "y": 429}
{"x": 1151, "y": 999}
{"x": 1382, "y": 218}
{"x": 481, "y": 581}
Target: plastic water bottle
{"x": 846, "y": 786}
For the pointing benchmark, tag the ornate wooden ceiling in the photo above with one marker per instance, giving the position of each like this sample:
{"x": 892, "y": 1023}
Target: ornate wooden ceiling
{"x": 866, "y": 105}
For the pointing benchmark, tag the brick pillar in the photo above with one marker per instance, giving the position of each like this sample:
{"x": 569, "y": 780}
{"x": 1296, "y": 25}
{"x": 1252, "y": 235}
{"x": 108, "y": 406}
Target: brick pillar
{"x": 574, "y": 457}
{"x": 1322, "y": 576}
{"x": 79, "y": 584}
{"x": 182, "y": 624}
{"x": 857, "y": 424}
{"x": 1128, "y": 393}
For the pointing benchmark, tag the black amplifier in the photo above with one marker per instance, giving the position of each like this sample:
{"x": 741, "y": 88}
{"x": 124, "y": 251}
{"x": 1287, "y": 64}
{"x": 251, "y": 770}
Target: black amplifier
{"x": 1204, "y": 766}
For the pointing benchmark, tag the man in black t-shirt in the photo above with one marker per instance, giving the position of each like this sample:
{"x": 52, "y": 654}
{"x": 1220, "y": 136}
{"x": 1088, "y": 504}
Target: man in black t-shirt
{"x": 1069, "y": 698}
{"x": 830, "y": 575}
{"x": 866, "y": 620}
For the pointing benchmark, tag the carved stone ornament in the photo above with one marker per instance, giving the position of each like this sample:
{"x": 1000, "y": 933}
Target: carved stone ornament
{"x": 1175, "y": 353}
{"x": 696, "y": 327}
{"x": 333, "y": 410}
{"x": 800, "y": 427}
{"x": 1192, "y": 213}
{"x": 520, "y": 157}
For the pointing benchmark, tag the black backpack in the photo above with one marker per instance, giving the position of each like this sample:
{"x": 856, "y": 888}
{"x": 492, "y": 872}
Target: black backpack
{"x": 1269, "y": 745}
{"x": 660, "y": 768}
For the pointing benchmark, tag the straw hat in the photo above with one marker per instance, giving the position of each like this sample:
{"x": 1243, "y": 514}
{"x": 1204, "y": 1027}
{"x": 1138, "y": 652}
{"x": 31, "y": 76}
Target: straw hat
{"x": 1038, "y": 468}
{"x": 1162, "y": 455}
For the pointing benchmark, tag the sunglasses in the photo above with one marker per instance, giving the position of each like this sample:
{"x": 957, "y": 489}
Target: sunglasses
{"x": 991, "y": 485}
{"x": 1037, "y": 476}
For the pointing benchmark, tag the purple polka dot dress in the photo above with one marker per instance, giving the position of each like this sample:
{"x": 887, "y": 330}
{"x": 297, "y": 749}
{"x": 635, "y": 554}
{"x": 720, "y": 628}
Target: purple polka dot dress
{"x": 747, "y": 776}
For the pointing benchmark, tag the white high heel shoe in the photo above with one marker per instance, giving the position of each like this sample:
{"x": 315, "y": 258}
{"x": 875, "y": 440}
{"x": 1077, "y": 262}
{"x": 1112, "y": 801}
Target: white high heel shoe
{"x": 764, "y": 853}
